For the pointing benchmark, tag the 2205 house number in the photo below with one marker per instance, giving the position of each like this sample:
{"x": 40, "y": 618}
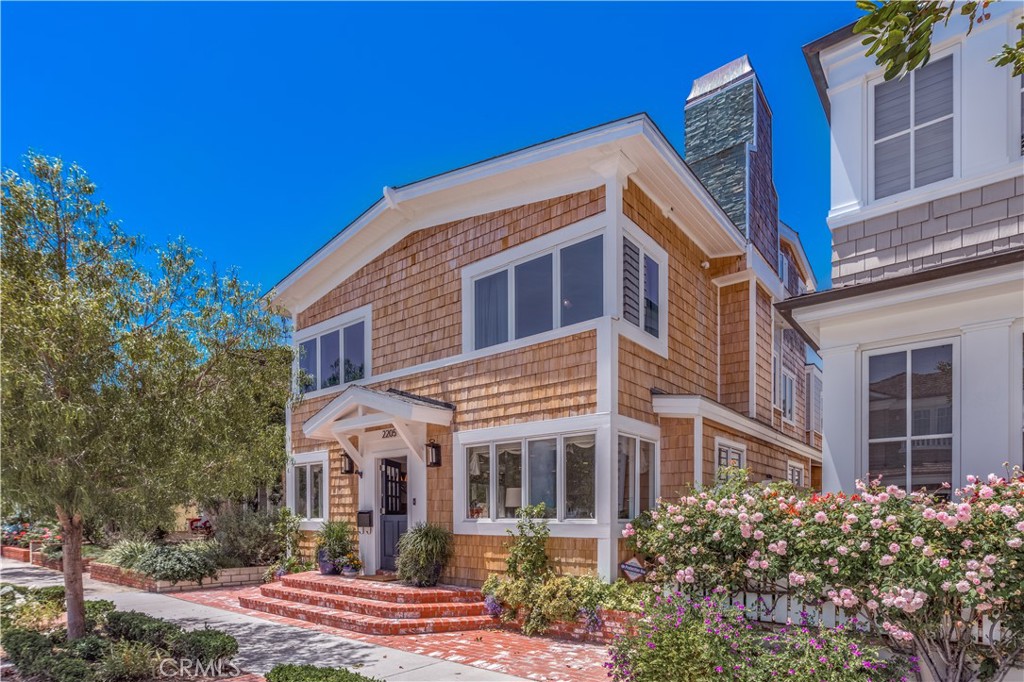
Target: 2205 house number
{"x": 389, "y": 433}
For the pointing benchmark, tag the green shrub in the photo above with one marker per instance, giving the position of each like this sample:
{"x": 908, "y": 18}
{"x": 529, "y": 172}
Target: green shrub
{"x": 528, "y": 569}
{"x": 96, "y": 612}
{"x": 423, "y": 552}
{"x": 311, "y": 673}
{"x": 24, "y": 648}
{"x": 133, "y": 626}
{"x": 88, "y": 648}
{"x": 563, "y": 598}
{"x": 128, "y": 661}
{"x": 336, "y": 539}
{"x": 207, "y": 646}
{"x": 624, "y": 595}
{"x": 178, "y": 563}
{"x": 126, "y": 553}
{"x": 250, "y": 538}
{"x": 53, "y": 594}
{"x": 64, "y": 668}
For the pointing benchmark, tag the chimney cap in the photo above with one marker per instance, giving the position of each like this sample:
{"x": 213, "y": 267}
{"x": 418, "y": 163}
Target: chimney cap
{"x": 721, "y": 77}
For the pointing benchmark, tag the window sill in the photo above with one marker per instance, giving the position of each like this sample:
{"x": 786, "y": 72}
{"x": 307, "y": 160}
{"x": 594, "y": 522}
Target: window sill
{"x": 311, "y": 524}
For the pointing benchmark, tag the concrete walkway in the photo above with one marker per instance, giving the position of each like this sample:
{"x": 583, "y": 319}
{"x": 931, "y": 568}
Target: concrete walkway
{"x": 262, "y": 643}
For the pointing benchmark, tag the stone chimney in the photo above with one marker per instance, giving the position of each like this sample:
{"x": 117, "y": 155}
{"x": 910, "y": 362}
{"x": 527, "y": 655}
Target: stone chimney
{"x": 729, "y": 148}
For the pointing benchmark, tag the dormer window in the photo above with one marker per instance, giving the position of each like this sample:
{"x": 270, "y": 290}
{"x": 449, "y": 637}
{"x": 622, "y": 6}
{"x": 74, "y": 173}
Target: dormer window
{"x": 913, "y": 142}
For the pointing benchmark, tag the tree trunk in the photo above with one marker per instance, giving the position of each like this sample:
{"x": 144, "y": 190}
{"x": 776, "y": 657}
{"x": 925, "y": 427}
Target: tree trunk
{"x": 71, "y": 543}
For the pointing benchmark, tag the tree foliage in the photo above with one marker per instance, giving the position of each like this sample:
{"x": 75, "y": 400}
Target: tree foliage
{"x": 134, "y": 379}
{"x": 899, "y": 34}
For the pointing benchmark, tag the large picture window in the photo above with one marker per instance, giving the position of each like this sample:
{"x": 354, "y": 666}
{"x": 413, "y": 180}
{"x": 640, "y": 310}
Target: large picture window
{"x": 558, "y": 471}
{"x": 910, "y": 417}
{"x": 555, "y": 289}
{"x": 636, "y": 487}
{"x": 333, "y": 357}
{"x": 913, "y": 129}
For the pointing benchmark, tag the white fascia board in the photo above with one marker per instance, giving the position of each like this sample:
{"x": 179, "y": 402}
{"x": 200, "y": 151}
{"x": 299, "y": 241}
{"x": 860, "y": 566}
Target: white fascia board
{"x": 672, "y": 158}
{"x": 693, "y": 406}
{"x": 789, "y": 235}
{"x": 912, "y": 293}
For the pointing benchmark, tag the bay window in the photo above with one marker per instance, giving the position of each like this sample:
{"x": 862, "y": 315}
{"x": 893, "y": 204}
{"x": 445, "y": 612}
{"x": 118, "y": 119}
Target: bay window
{"x": 636, "y": 483}
{"x": 910, "y": 416}
{"x": 558, "y": 288}
{"x": 558, "y": 471}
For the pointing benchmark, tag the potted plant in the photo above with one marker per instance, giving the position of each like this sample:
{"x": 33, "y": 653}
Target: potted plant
{"x": 350, "y": 565}
{"x": 333, "y": 541}
{"x": 423, "y": 552}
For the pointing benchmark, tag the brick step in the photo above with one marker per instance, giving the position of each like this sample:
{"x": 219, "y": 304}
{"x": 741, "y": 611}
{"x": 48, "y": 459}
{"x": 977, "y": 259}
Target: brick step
{"x": 371, "y": 625}
{"x": 381, "y": 591}
{"x": 373, "y": 607}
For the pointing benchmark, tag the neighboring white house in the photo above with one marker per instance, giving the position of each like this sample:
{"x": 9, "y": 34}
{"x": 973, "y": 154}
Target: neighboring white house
{"x": 922, "y": 335}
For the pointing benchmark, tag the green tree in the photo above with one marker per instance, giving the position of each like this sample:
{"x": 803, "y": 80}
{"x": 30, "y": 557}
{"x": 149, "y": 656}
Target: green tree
{"x": 133, "y": 379}
{"x": 899, "y": 33}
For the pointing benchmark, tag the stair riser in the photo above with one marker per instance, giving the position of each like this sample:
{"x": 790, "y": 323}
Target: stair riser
{"x": 366, "y": 590}
{"x": 338, "y": 620}
{"x": 378, "y": 609}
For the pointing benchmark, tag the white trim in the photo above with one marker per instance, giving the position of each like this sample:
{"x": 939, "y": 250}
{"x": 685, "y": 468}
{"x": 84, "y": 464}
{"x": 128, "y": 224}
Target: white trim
{"x": 872, "y": 83}
{"x": 337, "y": 323}
{"x": 305, "y": 459}
{"x": 791, "y": 418}
{"x": 791, "y": 464}
{"x": 691, "y": 406}
{"x": 752, "y": 350}
{"x": 327, "y": 425}
{"x": 551, "y": 243}
{"x": 698, "y": 451}
{"x": 648, "y": 248}
{"x": 741, "y": 448}
{"x": 863, "y": 402}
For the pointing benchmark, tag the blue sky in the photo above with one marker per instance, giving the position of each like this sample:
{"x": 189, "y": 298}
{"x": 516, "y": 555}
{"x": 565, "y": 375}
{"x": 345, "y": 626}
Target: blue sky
{"x": 258, "y": 131}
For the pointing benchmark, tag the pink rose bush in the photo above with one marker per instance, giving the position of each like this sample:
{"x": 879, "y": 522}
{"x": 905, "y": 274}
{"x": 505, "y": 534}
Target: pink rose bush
{"x": 939, "y": 578}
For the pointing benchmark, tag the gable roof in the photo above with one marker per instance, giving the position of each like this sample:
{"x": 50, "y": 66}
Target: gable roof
{"x": 560, "y": 166}
{"x": 792, "y": 237}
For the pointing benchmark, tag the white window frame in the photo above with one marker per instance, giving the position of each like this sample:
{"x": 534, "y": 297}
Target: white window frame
{"x": 871, "y": 141}
{"x": 524, "y": 442}
{"x": 789, "y": 416}
{"x": 338, "y": 324}
{"x": 648, "y": 247}
{"x": 791, "y": 467}
{"x": 507, "y": 260}
{"x": 865, "y": 440}
{"x": 732, "y": 446}
{"x": 306, "y": 459}
{"x": 634, "y": 499}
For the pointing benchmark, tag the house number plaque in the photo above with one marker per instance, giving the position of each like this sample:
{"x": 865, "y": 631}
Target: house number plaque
{"x": 389, "y": 433}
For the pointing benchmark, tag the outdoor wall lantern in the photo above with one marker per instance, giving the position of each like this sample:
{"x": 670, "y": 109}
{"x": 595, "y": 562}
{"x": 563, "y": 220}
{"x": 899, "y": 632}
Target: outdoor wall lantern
{"x": 349, "y": 467}
{"x": 433, "y": 454}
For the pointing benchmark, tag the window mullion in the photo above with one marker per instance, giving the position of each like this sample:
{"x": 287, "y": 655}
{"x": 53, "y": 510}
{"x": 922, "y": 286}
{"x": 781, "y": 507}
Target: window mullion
{"x": 636, "y": 478}
{"x": 556, "y": 288}
{"x": 492, "y": 482}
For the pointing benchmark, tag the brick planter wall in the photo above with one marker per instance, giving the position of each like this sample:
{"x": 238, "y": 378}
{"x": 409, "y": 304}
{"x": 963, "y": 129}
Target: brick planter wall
{"x": 17, "y": 553}
{"x": 613, "y": 624}
{"x": 228, "y": 577}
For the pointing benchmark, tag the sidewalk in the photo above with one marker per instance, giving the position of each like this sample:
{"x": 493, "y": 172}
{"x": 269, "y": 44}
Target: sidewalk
{"x": 264, "y": 643}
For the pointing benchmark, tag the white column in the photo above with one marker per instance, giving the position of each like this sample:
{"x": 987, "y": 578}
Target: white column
{"x": 606, "y": 510}
{"x": 985, "y": 399}
{"x": 840, "y": 395}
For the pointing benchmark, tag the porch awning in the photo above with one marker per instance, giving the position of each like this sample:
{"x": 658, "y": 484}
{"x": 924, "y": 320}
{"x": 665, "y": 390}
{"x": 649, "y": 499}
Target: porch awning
{"x": 358, "y": 408}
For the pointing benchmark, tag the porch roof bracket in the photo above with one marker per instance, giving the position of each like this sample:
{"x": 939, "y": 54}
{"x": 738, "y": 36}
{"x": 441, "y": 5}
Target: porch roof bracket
{"x": 349, "y": 446}
{"x": 405, "y": 432}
